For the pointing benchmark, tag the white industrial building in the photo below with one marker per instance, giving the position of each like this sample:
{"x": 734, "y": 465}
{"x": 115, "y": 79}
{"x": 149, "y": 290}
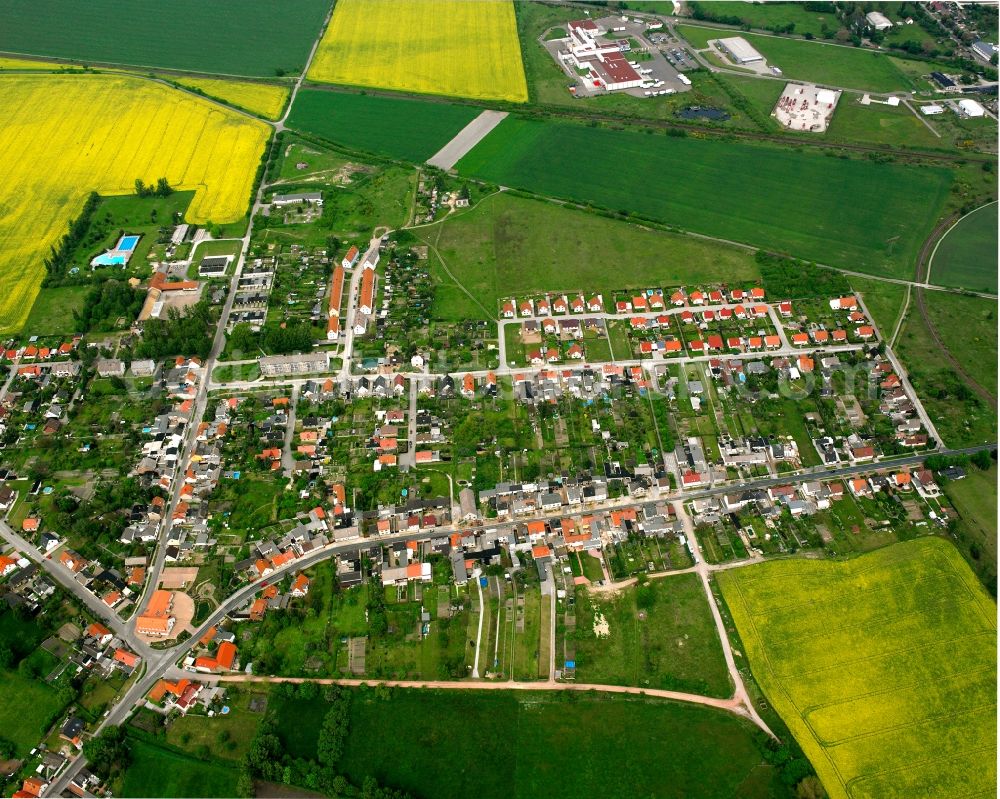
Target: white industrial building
{"x": 878, "y": 20}
{"x": 931, "y": 110}
{"x": 607, "y": 67}
{"x": 739, "y": 50}
{"x": 971, "y": 109}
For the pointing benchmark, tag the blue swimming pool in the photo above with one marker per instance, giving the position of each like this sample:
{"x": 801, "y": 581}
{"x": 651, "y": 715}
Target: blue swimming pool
{"x": 127, "y": 243}
{"x": 108, "y": 260}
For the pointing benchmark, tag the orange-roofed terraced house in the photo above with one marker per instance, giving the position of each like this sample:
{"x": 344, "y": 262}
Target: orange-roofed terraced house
{"x": 157, "y": 620}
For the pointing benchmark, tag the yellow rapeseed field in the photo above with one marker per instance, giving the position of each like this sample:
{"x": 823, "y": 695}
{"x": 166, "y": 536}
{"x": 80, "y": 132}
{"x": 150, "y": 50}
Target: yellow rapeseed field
{"x": 884, "y": 667}
{"x": 265, "y": 99}
{"x": 63, "y": 136}
{"x": 457, "y": 48}
{"x": 9, "y": 62}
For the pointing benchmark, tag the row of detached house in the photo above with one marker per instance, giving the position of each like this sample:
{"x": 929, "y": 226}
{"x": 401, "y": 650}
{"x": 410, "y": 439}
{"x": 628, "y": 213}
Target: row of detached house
{"x": 541, "y": 541}
{"x": 648, "y": 300}
{"x": 558, "y": 304}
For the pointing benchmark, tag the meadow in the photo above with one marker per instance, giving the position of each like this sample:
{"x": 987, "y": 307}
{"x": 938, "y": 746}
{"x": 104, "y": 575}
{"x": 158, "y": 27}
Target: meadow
{"x": 401, "y": 128}
{"x": 883, "y": 667}
{"x": 446, "y": 47}
{"x": 263, "y": 39}
{"x": 511, "y": 245}
{"x": 857, "y": 214}
{"x": 534, "y": 744}
{"x": 24, "y": 722}
{"x": 830, "y": 64}
{"x": 966, "y": 254}
{"x": 962, "y": 418}
{"x": 660, "y": 635}
{"x": 62, "y": 137}
{"x": 158, "y": 771}
{"x": 264, "y": 99}
{"x": 975, "y": 499}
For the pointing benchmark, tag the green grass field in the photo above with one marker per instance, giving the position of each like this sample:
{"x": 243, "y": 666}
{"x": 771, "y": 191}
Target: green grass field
{"x": 660, "y": 635}
{"x": 160, "y": 772}
{"x": 975, "y": 498}
{"x": 532, "y": 744}
{"x": 830, "y": 64}
{"x": 961, "y": 417}
{"x": 764, "y": 15}
{"x": 263, "y": 39}
{"x": 884, "y": 300}
{"x": 510, "y": 245}
{"x": 52, "y": 313}
{"x": 966, "y": 254}
{"x": 865, "y": 216}
{"x": 408, "y": 129}
{"x": 882, "y": 666}
{"x": 23, "y": 722}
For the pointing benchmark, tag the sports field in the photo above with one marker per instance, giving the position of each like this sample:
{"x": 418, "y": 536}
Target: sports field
{"x": 966, "y": 256}
{"x": 883, "y": 667}
{"x": 265, "y": 99}
{"x": 409, "y": 129}
{"x": 257, "y": 37}
{"x": 509, "y": 245}
{"x": 844, "y": 212}
{"x": 62, "y": 137}
{"x": 449, "y": 47}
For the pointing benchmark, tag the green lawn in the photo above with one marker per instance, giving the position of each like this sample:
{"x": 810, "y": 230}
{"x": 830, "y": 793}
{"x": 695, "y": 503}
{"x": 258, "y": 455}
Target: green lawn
{"x": 533, "y": 745}
{"x": 52, "y": 313}
{"x": 660, "y": 635}
{"x": 829, "y": 64}
{"x": 883, "y": 666}
{"x": 511, "y": 245}
{"x": 858, "y": 214}
{"x": 408, "y": 129}
{"x": 967, "y": 254}
{"x": 226, "y": 737}
{"x": 24, "y": 722}
{"x": 157, "y": 771}
{"x": 263, "y": 39}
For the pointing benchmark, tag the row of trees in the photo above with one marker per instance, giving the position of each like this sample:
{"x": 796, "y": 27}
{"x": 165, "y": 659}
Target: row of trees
{"x": 59, "y": 259}
{"x": 161, "y": 189}
{"x": 267, "y": 759}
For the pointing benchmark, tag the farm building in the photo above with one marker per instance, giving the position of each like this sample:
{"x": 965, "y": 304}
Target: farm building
{"x": 878, "y": 20}
{"x": 931, "y": 110}
{"x": 739, "y": 50}
{"x": 310, "y": 197}
{"x": 985, "y": 50}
